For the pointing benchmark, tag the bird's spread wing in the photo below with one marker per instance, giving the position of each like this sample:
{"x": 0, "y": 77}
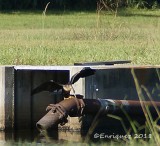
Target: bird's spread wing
{"x": 47, "y": 86}
{"x": 85, "y": 72}
{"x": 52, "y": 86}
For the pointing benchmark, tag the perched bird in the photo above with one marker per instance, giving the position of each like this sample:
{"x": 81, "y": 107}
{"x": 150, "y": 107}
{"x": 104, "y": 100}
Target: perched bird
{"x": 52, "y": 86}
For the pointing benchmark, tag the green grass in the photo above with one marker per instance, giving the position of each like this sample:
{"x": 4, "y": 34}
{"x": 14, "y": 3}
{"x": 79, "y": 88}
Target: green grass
{"x": 68, "y": 37}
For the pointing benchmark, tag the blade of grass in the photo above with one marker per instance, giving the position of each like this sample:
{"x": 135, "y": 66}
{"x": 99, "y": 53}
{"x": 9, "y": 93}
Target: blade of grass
{"x": 145, "y": 109}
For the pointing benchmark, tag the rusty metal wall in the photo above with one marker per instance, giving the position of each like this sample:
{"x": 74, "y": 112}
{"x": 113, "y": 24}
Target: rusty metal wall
{"x": 118, "y": 83}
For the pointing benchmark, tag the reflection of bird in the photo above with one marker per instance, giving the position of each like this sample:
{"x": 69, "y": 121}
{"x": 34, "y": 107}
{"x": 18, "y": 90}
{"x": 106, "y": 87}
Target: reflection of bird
{"x": 66, "y": 88}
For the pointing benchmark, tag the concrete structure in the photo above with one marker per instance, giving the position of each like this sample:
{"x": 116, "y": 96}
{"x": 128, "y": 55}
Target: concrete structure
{"x": 6, "y": 97}
{"x": 20, "y": 110}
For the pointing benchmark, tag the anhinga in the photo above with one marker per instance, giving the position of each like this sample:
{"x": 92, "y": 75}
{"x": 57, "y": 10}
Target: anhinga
{"x": 52, "y": 86}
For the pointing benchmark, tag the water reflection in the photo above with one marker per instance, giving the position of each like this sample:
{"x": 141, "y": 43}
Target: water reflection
{"x": 54, "y": 137}
{"x": 20, "y": 135}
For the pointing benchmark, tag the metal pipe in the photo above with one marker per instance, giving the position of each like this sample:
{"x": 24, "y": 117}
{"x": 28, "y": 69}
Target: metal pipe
{"x": 77, "y": 107}
{"x": 58, "y": 114}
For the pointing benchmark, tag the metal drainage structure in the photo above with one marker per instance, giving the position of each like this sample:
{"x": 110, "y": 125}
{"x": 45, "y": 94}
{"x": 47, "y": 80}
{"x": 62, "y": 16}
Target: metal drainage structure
{"x": 75, "y": 107}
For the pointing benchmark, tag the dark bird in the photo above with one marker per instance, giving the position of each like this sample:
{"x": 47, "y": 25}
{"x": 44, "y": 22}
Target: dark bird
{"x": 52, "y": 86}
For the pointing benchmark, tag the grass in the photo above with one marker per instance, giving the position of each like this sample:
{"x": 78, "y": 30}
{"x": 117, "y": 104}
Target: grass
{"x": 64, "y": 38}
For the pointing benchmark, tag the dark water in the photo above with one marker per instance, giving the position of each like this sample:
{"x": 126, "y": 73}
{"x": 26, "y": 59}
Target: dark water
{"x": 34, "y": 136}
{"x": 108, "y": 129}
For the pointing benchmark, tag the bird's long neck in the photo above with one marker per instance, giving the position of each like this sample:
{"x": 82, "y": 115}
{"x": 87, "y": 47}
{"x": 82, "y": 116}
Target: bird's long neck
{"x": 67, "y": 87}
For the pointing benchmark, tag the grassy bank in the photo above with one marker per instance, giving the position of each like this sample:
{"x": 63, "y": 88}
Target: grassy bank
{"x": 68, "y": 37}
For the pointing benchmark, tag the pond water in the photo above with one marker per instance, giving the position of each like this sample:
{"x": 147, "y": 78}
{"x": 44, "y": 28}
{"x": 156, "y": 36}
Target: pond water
{"x": 34, "y": 136}
{"x": 69, "y": 138}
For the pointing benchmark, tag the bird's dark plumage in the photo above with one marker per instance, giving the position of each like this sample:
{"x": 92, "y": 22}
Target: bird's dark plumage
{"x": 47, "y": 86}
{"x": 85, "y": 72}
{"x": 52, "y": 86}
